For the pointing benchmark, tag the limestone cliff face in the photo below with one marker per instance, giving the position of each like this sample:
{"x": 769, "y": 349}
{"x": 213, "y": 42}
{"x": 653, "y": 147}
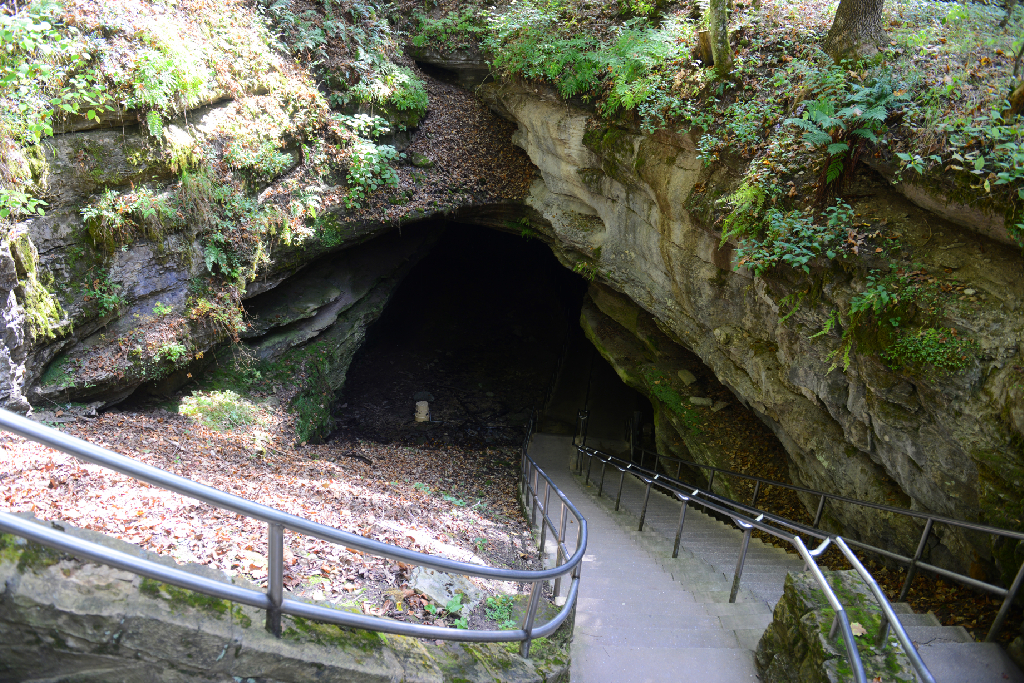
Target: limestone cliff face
{"x": 630, "y": 209}
{"x": 635, "y": 212}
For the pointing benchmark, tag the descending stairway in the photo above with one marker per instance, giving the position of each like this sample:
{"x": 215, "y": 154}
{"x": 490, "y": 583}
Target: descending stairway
{"x": 644, "y": 617}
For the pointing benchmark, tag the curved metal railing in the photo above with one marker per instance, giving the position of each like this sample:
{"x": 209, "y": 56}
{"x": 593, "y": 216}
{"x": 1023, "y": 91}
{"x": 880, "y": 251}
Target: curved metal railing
{"x": 273, "y": 601}
{"x": 777, "y": 526}
{"x": 913, "y": 563}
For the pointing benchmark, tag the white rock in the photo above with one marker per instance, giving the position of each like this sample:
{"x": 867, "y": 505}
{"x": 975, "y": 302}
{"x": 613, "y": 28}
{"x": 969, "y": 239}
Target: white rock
{"x": 687, "y": 377}
{"x": 441, "y": 587}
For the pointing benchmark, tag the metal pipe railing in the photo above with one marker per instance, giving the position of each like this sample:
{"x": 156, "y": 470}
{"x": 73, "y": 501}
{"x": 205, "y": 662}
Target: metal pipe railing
{"x": 913, "y": 564}
{"x": 889, "y": 618}
{"x": 762, "y": 521}
{"x": 273, "y": 600}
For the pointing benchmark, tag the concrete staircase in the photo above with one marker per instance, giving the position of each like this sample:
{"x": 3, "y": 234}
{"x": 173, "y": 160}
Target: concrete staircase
{"x": 646, "y": 617}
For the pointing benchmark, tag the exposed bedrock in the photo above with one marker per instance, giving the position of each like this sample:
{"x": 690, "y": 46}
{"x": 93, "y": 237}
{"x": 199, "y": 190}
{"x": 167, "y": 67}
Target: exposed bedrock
{"x": 630, "y": 208}
{"x": 632, "y": 211}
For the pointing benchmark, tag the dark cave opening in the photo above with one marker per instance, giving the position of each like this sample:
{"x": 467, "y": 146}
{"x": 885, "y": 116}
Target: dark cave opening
{"x": 476, "y": 328}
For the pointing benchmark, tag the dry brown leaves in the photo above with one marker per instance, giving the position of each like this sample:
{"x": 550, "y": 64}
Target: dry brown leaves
{"x": 399, "y": 500}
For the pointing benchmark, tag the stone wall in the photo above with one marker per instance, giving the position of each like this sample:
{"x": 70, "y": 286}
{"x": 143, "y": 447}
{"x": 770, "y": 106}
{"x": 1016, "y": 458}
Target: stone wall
{"x": 796, "y": 648}
{"x": 64, "y": 619}
{"x": 630, "y": 209}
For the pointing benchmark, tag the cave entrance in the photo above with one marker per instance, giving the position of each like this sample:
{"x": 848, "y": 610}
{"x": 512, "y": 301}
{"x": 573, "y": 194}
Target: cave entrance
{"x": 476, "y": 329}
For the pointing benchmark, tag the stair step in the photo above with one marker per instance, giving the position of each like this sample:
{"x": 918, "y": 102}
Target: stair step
{"x": 938, "y": 634}
{"x": 918, "y": 620}
{"x": 969, "y": 663}
{"x": 595, "y": 663}
{"x": 704, "y": 634}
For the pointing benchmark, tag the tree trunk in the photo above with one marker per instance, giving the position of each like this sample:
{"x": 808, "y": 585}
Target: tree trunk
{"x": 704, "y": 51}
{"x": 720, "y": 47}
{"x": 856, "y": 30}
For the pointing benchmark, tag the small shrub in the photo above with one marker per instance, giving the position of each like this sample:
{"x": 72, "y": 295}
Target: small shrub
{"x": 369, "y": 169}
{"x": 259, "y": 158}
{"x": 219, "y": 410}
{"x": 171, "y": 351}
{"x": 795, "y": 239}
{"x": 499, "y": 609}
{"x": 942, "y": 348}
{"x": 115, "y": 220}
{"x": 105, "y": 294}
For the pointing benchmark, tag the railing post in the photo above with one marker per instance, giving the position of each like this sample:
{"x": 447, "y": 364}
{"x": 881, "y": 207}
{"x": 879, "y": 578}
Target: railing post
{"x": 558, "y": 552}
{"x": 757, "y": 490}
{"x": 527, "y": 624}
{"x": 747, "y": 528}
{"x": 912, "y": 569}
{"x": 275, "y": 576}
{"x": 618, "y": 496}
{"x": 711, "y": 481}
{"x": 679, "y": 530}
{"x": 1004, "y": 610}
{"x": 647, "y": 497}
{"x": 536, "y": 483}
{"x": 600, "y": 487}
{"x": 543, "y": 520}
{"x": 586, "y": 419}
{"x": 817, "y": 515}
{"x": 883, "y": 633}
{"x": 590, "y": 465}
{"x": 679, "y": 471}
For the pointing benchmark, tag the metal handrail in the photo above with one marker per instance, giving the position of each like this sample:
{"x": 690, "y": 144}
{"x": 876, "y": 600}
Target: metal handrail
{"x": 707, "y": 499}
{"x": 273, "y": 600}
{"x": 913, "y": 563}
{"x": 889, "y": 618}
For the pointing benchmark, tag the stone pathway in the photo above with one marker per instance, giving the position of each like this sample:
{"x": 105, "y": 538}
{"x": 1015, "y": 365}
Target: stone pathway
{"x": 636, "y": 621}
{"x": 644, "y": 617}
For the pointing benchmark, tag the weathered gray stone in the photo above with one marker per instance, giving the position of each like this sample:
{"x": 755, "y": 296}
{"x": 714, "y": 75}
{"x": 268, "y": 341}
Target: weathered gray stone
{"x": 945, "y": 443}
{"x": 795, "y": 648}
{"x": 442, "y": 588}
{"x": 61, "y": 619}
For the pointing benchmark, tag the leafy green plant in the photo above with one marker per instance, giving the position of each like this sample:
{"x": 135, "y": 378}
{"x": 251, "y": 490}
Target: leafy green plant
{"x": 44, "y": 75}
{"x": 587, "y": 270}
{"x": 844, "y": 122}
{"x": 42, "y": 64}
{"x": 169, "y": 76}
{"x": 219, "y": 410}
{"x": 369, "y": 169}
{"x": 172, "y": 351}
{"x": 161, "y": 309}
{"x": 662, "y": 390}
{"x": 117, "y": 219}
{"x": 537, "y": 41}
{"x": 458, "y": 29}
{"x": 258, "y": 157}
{"x": 105, "y": 294}
{"x": 453, "y": 500}
{"x": 795, "y": 239}
{"x": 480, "y": 543}
{"x": 942, "y": 348}
{"x": 499, "y": 609}
{"x": 421, "y": 487}
{"x": 454, "y": 605}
